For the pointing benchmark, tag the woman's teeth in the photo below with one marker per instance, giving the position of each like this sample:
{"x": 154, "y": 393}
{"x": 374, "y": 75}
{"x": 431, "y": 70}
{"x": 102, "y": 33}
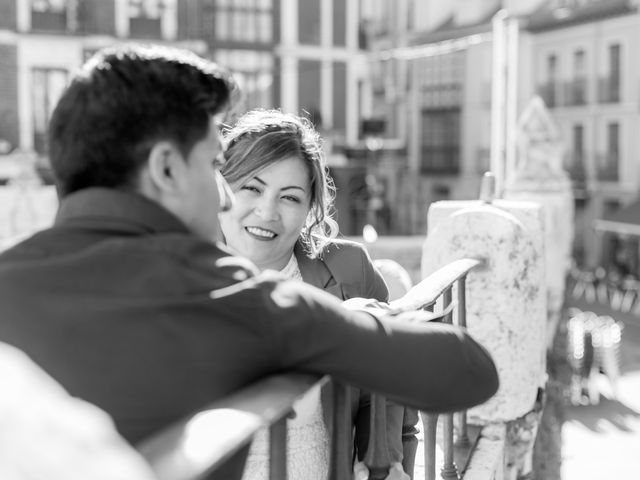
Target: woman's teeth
{"x": 260, "y": 232}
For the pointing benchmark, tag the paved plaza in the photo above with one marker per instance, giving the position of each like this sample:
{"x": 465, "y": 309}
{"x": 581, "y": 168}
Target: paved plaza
{"x": 602, "y": 441}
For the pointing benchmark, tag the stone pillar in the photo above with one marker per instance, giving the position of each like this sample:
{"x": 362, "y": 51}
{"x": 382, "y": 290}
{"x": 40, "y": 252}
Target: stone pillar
{"x": 506, "y": 300}
{"x": 538, "y": 176}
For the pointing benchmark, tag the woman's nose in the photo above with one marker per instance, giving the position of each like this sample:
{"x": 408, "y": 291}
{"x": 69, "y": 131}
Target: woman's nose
{"x": 267, "y": 209}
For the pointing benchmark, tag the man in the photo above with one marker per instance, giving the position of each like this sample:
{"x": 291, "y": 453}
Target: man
{"x": 128, "y": 302}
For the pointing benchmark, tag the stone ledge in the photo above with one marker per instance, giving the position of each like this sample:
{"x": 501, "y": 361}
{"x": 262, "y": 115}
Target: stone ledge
{"x": 487, "y": 461}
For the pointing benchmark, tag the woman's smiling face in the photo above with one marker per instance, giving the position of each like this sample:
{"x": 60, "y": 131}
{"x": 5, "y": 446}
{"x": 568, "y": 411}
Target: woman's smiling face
{"x": 269, "y": 213}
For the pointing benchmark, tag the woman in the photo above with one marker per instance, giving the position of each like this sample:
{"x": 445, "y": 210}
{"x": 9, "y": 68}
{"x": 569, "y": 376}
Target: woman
{"x": 281, "y": 221}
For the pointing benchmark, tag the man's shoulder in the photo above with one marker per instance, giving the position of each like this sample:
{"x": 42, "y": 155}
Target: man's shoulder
{"x": 159, "y": 252}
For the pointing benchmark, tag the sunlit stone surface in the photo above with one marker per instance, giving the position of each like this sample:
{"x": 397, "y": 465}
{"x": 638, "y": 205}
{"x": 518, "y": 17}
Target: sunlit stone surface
{"x": 506, "y": 301}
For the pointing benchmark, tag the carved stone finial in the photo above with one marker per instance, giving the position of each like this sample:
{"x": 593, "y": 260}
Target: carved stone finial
{"x": 540, "y": 151}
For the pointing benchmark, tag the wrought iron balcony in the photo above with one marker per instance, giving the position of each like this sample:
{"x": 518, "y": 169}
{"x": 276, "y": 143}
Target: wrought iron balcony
{"x": 576, "y": 167}
{"x": 607, "y": 167}
{"x": 609, "y": 90}
{"x": 549, "y": 93}
{"x": 49, "y": 21}
{"x": 575, "y": 92}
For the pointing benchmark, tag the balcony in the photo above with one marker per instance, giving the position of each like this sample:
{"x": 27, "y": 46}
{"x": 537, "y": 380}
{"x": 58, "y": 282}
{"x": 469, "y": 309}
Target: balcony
{"x": 575, "y": 92}
{"x": 575, "y": 168}
{"x": 49, "y": 20}
{"x": 609, "y": 90}
{"x": 549, "y": 93}
{"x": 607, "y": 167}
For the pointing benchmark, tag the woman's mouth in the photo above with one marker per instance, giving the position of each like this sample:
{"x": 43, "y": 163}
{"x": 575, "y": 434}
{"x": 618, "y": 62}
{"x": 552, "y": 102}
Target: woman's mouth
{"x": 260, "y": 233}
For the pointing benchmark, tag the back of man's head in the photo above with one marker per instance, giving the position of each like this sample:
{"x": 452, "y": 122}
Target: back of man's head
{"x": 123, "y": 101}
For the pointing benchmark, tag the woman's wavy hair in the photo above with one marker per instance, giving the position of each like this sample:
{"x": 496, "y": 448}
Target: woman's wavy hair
{"x": 261, "y": 138}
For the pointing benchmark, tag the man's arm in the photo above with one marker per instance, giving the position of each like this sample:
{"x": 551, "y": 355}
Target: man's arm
{"x": 430, "y": 366}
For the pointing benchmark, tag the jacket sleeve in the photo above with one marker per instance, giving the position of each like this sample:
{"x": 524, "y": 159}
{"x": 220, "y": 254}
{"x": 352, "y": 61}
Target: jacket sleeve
{"x": 430, "y": 366}
{"x": 352, "y": 268}
{"x": 374, "y": 285}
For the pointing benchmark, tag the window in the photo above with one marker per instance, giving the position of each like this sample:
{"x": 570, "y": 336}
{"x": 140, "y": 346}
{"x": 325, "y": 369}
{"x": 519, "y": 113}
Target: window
{"x": 339, "y": 23}
{"x": 440, "y": 80}
{"x": 48, "y": 85}
{"x": 340, "y": 97}
{"x": 576, "y": 159}
{"x": 608, "y": 163}
{"x": 310, "y": 88}
{"x": 578, "y": 94}
{"x": 440, "y": 141}
{"x": 244, "y": 20}
{"x": 609, "y": 91}
{"x": 145, "y": 17}
{"x": 614, "y": 73}
{"x": 50, "y": 15}
{"x": 549, "y": 89}
{"x": 254, "y": 73}
{"x": 309, "y": 22}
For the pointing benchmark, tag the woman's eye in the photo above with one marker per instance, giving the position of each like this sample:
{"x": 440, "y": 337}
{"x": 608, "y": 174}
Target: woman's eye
{"x": 250, "y": 188}
{"x": 291, "y": 198}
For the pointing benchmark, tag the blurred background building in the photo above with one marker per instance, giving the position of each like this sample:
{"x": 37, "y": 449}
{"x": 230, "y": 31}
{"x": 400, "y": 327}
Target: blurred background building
{"x": 433, "y": 81}
{"x": 401, "y": 91}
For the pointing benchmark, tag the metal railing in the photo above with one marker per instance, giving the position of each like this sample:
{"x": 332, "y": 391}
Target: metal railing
{"x": 204, "y": 442}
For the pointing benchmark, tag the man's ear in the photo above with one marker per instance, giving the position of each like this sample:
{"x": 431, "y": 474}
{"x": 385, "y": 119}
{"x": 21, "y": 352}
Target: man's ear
{"x": 166, "y": 167}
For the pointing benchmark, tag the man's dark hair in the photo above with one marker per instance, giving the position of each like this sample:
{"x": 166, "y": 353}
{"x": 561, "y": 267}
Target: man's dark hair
{"x": 121, "y": 102}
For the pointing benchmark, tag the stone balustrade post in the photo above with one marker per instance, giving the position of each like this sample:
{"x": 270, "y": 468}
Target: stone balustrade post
{"x": 506, "y": 300}
{"x": 506, "y": 312}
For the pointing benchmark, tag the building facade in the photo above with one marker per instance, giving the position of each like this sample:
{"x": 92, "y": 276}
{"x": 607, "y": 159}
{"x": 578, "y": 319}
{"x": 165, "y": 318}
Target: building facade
{"x": 578, "y": 55}
{"x": 585, "y": 68}
{"x": 299, "y": 55}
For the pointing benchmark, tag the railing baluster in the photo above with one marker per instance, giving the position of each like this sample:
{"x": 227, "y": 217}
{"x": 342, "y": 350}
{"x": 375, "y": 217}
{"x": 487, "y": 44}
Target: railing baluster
{"x": 341, "y": 435}
{"x": 377, "y": 458}
{"x": 278, "y": 450}
{"x": 446, "y": 301}
{"x": 449, "y": 469}
{"x": 463, "y": 435}
{"x": 429, "y": 423}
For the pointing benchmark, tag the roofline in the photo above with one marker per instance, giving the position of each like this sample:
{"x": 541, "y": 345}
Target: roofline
{"x": 551, "y": 23}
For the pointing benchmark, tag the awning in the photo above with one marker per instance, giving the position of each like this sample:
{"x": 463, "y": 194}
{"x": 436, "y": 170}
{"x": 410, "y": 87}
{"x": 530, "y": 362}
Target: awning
{"x": 625, "y": 221}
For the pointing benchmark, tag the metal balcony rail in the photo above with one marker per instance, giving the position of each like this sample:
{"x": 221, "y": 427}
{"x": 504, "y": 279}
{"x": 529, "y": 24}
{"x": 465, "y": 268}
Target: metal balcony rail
{"x": 201, "y": 444}
{"x": 549, "y": 93}
{"x": 609, "y": 89}
{"x": 608, "y": 166}
{"x": 440, "y": 284}
{"x": 575, "y": 92}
